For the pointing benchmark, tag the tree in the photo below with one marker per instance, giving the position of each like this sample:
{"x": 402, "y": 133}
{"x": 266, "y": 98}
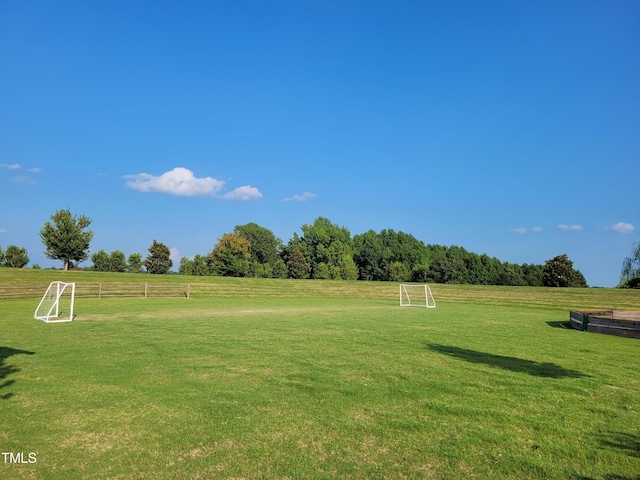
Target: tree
{"x": 135, "y": 263}
{"x": 420, "y": 273}
{"x": 1, "y": 256}
{"x": 297, "y": 265}
{"x": 321, "y": 272}
{"x": 347, "y": 267}
{"x": 100, "y": 261}
{"x": 398, "y": 272}
{"x": 264, "y": 245}
{"x": 324, "y": 243}
{"x": 186, "y": 266}
{"x": 279, "y": 269}
{"x": 533, "y": 274}
{"x": 66, "y": 238}
{"x": 196, "y": 266}
{"x": 230, "y": 256}
{"x": 630, "y": 274}
{"x": 117, "y": 262}
{"x": 113, "y": 262}
{"x": 369, "y": 255}
{"x": 15, "y": 257}
{"x": 559, "y": 272}
{"x": 199, "y": 266}
{"x": 448, "y": 267}
{"x": 159, "y": 259}
{"x": 377, "y": 255}
{"x": 511, "y": 274}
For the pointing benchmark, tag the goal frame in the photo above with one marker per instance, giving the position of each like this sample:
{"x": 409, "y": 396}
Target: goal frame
{"x": 49, "y": 309}
{"x": 421, "y": 298}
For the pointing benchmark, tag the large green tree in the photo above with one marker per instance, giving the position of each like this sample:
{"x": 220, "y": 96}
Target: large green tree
{"x": 230, "y": 256}
{"x": 263, "y": 244}
{"x": 377, "y": 255}
{"x": 66, "y": 237}
{"x": 559, "y": 272}
{"x": 15, "y": 257}
{"x": 369, "y": 255}
{"x": 135, "y": 263}
{"x": 630, "y": 274}
{"x": 197, "y": 266}
{"x": 159, "y": 259}
{"x": 297, "y": 265}
{"x": 117, "y": 261}
{"x": 100, "y": 261}
{"x": 447, "y": 267}
{"x": 326, "y": 247}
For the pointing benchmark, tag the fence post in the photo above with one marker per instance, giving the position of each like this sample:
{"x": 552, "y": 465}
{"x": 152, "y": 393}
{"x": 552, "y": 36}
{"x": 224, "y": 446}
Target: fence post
{"x": 188, "y": 289}
{"x": 99, "y": 290}
{"x": 145, "y": 290}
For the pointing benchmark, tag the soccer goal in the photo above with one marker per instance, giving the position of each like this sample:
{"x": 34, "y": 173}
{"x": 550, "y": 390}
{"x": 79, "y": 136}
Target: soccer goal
{"x": 57, "y": 303}
{"x": 416, "y": 296}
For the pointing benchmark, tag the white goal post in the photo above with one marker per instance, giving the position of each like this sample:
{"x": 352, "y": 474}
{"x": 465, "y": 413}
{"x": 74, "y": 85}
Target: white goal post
{"x": 57, "y": 303}
{"x": 416, "y": 295}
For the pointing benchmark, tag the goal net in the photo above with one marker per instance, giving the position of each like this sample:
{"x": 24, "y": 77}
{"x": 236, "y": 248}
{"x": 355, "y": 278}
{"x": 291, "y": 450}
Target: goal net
{"x": 57, "y": 303}
{"x": 416, "y": 296}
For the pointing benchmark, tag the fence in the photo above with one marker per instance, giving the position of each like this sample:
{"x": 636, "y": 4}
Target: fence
{"x": 105, "y": 290}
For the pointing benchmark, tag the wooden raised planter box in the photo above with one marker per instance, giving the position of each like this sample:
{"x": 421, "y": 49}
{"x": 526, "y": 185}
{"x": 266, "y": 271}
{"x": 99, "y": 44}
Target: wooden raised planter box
{"x": 624, "y": 323}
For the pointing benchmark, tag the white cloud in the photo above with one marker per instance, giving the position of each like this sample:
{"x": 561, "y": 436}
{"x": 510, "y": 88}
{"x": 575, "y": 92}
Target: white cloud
{"x": 524, "y": 231}
{"x": 15, "y": 166}
{"x": 34, "y": 170}
{"x": 570, "y": 228}
{"x": 300, "y": 198}
{"x": 622, "y": 227}
{"x": 3, "y": 230}
{"x": 244, "y": 193}
{"x": 179, "y": 181}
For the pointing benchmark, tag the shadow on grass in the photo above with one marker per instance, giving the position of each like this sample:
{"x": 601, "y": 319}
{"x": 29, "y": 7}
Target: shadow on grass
{"x": 514, "y": 364}
{"x": 565, "y": 325}
{"x": 6, "y": 370}
{"x": 625, "y": 442}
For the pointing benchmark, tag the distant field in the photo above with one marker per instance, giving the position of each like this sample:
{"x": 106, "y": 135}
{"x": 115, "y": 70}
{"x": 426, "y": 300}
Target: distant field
{"x": 255, "y": 378}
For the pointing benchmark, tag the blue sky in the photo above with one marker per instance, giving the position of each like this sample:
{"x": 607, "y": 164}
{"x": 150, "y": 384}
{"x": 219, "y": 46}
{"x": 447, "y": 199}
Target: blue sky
{"x": 507, "y": 128}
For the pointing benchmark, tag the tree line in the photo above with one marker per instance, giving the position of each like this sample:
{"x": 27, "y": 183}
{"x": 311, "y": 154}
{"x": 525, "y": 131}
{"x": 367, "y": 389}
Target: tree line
{"x": 322, "y": 250}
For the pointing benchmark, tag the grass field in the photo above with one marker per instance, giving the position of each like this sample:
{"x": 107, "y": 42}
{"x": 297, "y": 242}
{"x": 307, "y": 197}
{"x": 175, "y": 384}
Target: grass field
{"x": 316, "y": 379}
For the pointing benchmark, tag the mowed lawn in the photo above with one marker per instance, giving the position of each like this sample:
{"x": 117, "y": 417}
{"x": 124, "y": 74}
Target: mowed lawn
{"x": 303, "y": 380}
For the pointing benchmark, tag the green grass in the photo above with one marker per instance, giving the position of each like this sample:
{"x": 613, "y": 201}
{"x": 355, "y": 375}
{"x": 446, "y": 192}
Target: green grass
{"x": 270, "y": 379}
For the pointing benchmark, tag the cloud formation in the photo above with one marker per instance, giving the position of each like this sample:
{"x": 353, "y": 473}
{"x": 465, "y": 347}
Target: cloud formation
{"x": 182, "y": 182}
{"x": 570, "y": 228}
{"x": 15, "y": 166}
{"x": 243, "y": 193}
{"x": 524, "y": 231}
{"x": 622, "y": 227}
{"x": 21, "y": 178}
{"x": 300, "y": 198}
{"x": 179, "y": 181}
